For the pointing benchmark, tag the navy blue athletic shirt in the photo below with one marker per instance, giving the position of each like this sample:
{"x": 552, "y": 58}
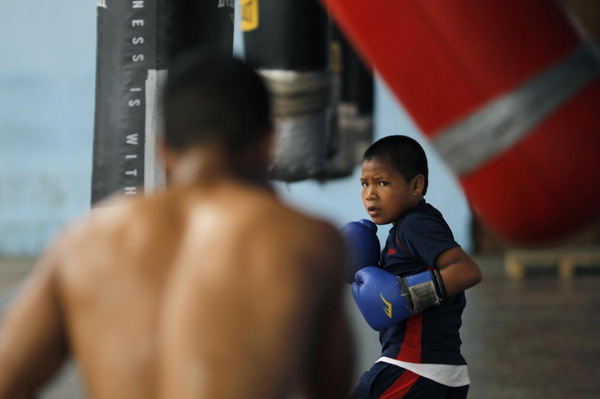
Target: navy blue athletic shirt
{"x": 413, "y": 245}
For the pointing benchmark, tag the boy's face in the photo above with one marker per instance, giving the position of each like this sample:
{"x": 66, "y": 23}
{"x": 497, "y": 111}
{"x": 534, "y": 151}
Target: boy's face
{"x": 385, "y": 193}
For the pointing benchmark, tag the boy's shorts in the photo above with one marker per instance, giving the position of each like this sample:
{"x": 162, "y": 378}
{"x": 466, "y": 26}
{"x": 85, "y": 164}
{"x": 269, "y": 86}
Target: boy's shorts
{"x": 387, "y": 381}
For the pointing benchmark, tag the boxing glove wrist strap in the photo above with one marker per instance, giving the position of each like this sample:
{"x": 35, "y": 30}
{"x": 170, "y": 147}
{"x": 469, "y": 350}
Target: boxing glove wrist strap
{"x": 423, "y": 290}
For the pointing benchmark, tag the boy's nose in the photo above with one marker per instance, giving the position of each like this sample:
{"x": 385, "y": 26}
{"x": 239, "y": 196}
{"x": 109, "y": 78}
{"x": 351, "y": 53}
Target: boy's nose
{"x": 371, "y": 193}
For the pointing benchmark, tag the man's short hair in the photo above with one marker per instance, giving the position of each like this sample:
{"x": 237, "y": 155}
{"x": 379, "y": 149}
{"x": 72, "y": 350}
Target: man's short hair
{"x": 214, "y": 98}
{"x": 403, "y": 153}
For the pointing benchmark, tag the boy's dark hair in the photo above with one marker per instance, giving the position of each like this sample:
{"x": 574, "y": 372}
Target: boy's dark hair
{"x": 404, "y": 154}
{"x": 214, "y": 98}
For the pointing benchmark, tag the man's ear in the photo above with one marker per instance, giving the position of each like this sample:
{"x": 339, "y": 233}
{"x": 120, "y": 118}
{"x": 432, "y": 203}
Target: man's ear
{"x": 165, "y": 156}
{"x": 418, "y": 184}
{"x": 269, "y": 142}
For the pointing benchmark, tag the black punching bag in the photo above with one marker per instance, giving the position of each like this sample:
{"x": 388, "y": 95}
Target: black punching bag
{"x": 286, "y": 42}
{"x": 351, "y": 129}
{"x": 135, "y": 40}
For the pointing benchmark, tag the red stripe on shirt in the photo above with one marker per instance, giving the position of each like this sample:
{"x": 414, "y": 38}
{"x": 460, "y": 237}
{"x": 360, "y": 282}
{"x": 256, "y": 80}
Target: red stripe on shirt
{"x": 401, "y": 386}
{"x": 401, "y": 246}
{"x": 410, "y": 351}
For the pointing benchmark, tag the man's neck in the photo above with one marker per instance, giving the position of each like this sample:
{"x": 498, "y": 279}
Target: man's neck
{"x": 209, "y": 166}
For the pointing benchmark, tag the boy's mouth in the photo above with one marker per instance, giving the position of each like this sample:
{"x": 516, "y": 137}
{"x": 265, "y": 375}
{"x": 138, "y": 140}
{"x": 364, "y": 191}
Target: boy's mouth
{"x": 373, "y": 211}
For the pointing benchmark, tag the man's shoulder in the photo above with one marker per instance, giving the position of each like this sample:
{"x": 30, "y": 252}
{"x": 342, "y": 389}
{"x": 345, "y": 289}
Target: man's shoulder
{"x": 103, "y": 222}
{"x": 293, "y": 228}
{"x": 297, "y": 222}
{"x": 269, "y": 208}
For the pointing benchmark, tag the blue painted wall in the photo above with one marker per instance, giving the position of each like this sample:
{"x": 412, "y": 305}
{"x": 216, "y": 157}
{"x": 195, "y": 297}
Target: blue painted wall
{"x": 47, "y": 78}
{"x": 47, "y": 73}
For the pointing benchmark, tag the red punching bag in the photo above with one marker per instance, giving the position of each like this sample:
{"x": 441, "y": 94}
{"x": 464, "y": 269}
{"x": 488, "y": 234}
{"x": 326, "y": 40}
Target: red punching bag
{"x": 507, "y": 91}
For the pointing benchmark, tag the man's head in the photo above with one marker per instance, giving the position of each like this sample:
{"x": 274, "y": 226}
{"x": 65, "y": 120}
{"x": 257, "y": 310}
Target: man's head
{"x": 214, "y": 100}
{"x": 394, "y": 178}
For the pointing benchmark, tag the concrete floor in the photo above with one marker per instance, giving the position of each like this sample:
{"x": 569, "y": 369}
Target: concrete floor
{"x": 529, "y": 339}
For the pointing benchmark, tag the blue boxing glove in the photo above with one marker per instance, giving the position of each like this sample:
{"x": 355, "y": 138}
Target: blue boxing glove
{"x": 363, "y": 246}
{"x": 385, "y": 299}
{"x": 378, "y": 295}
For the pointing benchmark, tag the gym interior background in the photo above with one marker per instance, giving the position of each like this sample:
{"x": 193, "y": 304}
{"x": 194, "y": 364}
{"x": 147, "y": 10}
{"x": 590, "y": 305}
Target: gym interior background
{"x": 529, "y": 335}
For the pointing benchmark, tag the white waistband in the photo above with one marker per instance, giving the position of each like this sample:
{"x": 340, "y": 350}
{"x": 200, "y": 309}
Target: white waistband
{"x": 445, "y": 374}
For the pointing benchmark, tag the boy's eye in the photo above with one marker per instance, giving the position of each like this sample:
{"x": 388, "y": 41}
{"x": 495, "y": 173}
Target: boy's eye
{"x": 383, "y": 183}
{"x": 364, "y": 184}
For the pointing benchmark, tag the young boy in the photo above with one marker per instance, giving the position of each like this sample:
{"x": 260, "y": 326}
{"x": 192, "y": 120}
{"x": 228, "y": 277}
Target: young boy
{"x": 421, "y": 355}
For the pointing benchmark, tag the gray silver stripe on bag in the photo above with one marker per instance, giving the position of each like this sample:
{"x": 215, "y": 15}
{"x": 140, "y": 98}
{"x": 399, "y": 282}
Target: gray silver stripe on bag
{"x": 499, "y": 124}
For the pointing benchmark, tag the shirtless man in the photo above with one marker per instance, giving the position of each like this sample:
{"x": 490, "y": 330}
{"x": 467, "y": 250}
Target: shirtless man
{"x": 211, "y": 289}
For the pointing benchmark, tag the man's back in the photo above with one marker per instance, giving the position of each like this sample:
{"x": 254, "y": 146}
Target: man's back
{"x": 199, "y": 292}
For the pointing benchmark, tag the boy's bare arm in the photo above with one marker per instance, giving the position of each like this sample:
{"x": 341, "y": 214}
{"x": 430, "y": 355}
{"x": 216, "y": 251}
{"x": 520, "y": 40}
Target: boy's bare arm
{"x": 32, "y": 337}
{"x": 459, "y": 272}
